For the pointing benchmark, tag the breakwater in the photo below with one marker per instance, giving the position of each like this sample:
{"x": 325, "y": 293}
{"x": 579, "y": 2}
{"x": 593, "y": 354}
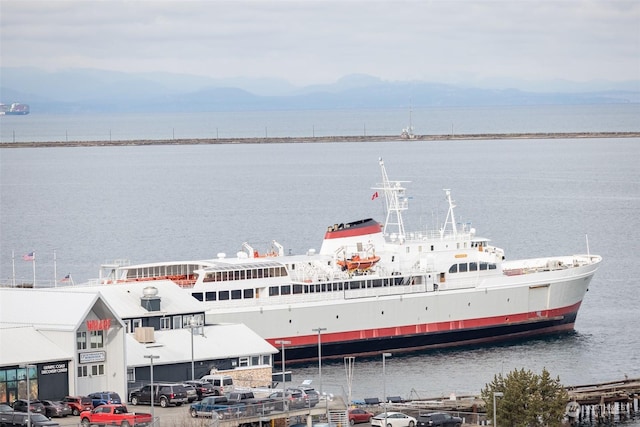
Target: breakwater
{"x": 325, "y": 139}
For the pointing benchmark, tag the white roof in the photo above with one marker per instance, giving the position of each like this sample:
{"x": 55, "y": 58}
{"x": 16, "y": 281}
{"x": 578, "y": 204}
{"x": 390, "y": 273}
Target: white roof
{"x": 22, "y": 344}
{"x": 216, "y": 342}
{"x": 26, "y": 314}
{"x": 125, "y": 298}
{"x": 45, "y": 308}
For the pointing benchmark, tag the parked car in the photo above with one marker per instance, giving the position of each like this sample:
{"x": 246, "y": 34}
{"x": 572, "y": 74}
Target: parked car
{"x": 104, "y": 398}
{"x": 164, "y": 394}
{"x": 5, "y": 408}
{"x": 217, "y": 407}
{"x": 15, "y": 418}
{"x": 78, "y": 404}
{"x": 393, "y": 419}
{"x": 438, "y": 419}
{"x": 221, "y": 383}
{"x": 291, "y": 400}
{"x": 54, "y": 408}
{"x": 203, "y": 388}
{"x": 192, "y": 394}
{"x": 359, "y": 415}
{"x": 35, "y": 406}
{"x": 310, "y": 395}
{"x": 254, "y": 405}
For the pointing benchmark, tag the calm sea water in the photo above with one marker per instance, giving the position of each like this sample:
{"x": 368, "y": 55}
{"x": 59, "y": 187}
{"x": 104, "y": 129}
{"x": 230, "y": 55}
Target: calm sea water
{"x": 531, "y": 197}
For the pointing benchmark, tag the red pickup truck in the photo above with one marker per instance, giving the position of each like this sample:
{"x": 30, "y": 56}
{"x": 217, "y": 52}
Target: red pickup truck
{"x": 114, "y": 415}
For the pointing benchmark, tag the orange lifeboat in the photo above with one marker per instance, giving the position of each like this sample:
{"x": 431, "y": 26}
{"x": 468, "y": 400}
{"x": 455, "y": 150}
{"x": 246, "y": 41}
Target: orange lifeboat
{"x": 358, "y": 263}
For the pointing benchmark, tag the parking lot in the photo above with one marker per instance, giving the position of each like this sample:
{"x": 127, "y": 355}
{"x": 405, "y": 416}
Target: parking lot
{"x": 178, "y": 416}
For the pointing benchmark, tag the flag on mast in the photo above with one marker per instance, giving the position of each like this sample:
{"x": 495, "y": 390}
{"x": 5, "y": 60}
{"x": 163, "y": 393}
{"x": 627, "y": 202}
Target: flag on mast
{"x": 31, "y": 256}
{"x": 66, "y": 278}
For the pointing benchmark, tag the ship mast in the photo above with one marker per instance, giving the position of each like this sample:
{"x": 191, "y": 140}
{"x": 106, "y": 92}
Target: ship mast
{"x": 397, "y": 201}
{"x": 450, "y": 218}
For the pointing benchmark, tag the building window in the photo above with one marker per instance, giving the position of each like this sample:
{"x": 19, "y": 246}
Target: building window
{"x": 127, "y": 326}
{"x": 81, "y": 340}
{"x": 82, "y": 371}
{"x": 97, "y": 339}
{"x": 177, "y": 322}
{"x": 97, "y": 370}
{"x": 165, "y": 323}
{"x": 244, "y": 361}
{"x": 255, "y": 360}
{"x": 131, "y": 375}
{"x": 137, "y": 323}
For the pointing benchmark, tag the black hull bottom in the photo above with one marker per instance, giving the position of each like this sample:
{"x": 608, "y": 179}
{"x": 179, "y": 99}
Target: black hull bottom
{"x": 436, "y": 340}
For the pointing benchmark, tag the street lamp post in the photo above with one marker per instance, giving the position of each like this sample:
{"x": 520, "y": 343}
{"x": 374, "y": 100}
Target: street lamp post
{"x": 284, "y": 391}
{"x": 384, "y": 384}
{"x": 153, "y": 394}
{"x": 27, "y": 368}
{"x": 319, "y": 331}
{"x": 192, "y": 325}
{"x": 496, "y": 394}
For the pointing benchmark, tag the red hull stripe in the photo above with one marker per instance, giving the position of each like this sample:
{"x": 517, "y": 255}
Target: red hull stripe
{"x": 426, "y": 328}
{"x": 353, "y": 231}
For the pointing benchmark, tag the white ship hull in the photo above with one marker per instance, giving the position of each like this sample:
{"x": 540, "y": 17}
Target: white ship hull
{"x": 411, "y": 318}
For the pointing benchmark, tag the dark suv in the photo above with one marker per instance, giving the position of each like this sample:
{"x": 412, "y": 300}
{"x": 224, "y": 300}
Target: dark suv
{"x": 164, "y": 394}
{"x": 203, "y": 388}
{"x": 35, "y": 406}
{"x": 438, "y": 419}
{"x": 105, "y": 398}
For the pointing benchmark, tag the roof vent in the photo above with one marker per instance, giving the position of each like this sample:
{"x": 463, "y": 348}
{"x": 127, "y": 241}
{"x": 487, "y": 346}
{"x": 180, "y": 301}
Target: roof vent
{"x": 222, "y": 255}
{"x": 150, "y": 300}
{"x": 150, "y": 291}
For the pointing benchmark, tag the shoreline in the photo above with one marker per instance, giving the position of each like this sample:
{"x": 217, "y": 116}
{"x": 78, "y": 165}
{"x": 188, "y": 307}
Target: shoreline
{"x": 321, "y": 139}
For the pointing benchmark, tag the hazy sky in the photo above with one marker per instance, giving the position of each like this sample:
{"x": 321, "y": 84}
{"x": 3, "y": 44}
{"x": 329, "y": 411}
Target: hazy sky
{"x": 307, "y": 42}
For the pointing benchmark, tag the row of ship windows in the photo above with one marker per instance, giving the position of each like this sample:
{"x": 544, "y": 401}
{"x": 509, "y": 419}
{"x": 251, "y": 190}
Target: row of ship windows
{"x": 237, "y": 294}
{"x": 472, "y": 266}
{"x": 162, "y": 270}
{"x": 252, "y": 273}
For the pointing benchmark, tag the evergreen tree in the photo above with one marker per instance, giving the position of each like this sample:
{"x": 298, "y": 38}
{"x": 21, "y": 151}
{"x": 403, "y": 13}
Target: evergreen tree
{"x": 529, "y": 400}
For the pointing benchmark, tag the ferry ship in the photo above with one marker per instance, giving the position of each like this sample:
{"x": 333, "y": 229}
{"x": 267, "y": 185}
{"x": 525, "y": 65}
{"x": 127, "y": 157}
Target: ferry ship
{"x": 376, "y": 288}
{"x": 15, "y": 109}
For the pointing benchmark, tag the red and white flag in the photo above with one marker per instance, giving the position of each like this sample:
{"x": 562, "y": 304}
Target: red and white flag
{"x": 374, "y": 196}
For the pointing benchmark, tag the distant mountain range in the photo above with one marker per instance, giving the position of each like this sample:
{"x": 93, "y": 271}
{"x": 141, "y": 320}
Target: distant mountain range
{"x": 90, "y": 91}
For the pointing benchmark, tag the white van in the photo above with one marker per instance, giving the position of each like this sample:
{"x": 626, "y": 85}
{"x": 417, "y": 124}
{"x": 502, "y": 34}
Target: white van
{"x": 221, "y": 383}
